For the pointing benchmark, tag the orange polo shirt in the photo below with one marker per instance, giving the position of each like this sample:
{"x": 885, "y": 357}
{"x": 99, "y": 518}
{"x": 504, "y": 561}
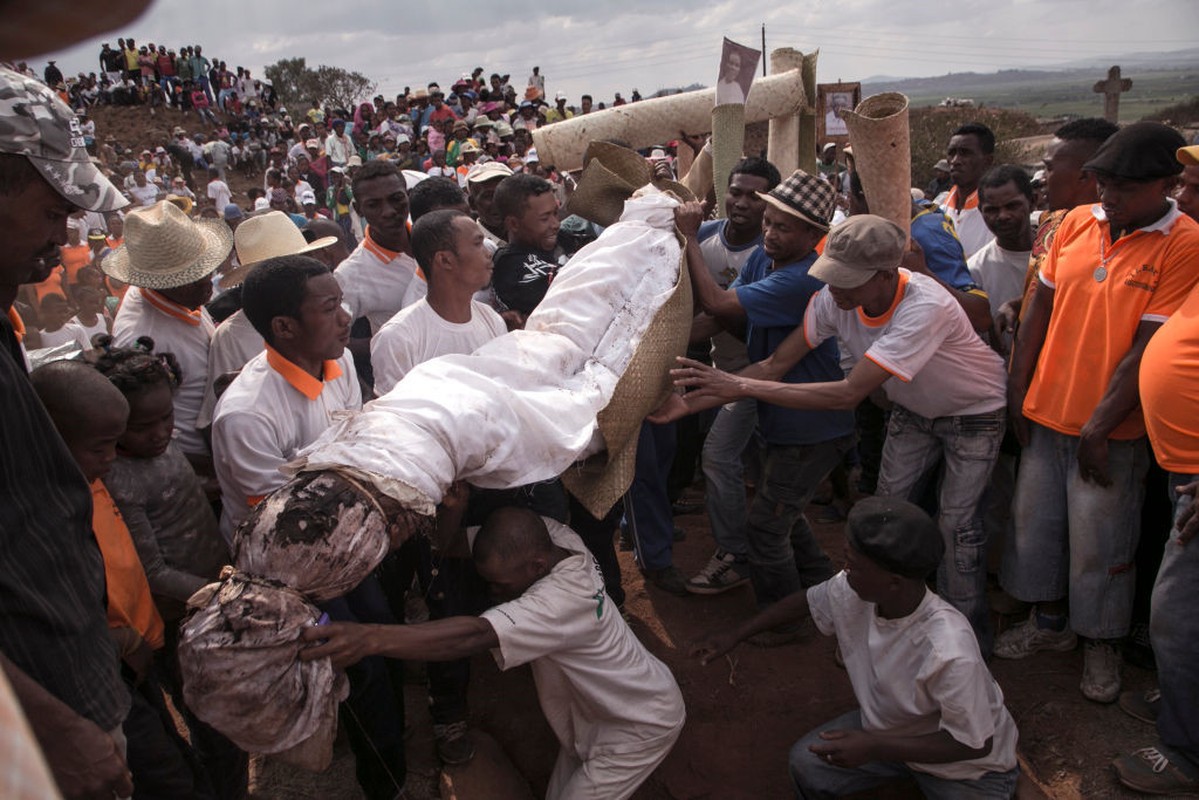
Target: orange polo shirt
{"x": 1149, "y": 272}
{"x": 130, "y": 604}
{"x": 1170, "y": 389}
{"x": 51, "y": 285}
{"x": 75, "y": 259}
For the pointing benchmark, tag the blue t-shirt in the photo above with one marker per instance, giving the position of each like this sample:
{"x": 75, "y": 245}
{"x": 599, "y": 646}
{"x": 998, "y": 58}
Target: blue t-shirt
{"x": 943, "y": 252}
{"x": 775, "y": 301}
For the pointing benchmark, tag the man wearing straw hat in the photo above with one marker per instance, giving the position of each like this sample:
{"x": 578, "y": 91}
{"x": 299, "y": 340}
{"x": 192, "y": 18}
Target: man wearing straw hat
{"x": 54, "y": 644}
{"x": 167, "y": 259}
{"x": 770, "y": 296}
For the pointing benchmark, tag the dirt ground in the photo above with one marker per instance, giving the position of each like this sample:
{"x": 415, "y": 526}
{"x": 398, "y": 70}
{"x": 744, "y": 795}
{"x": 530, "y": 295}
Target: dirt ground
{"x": 745, "y": 711}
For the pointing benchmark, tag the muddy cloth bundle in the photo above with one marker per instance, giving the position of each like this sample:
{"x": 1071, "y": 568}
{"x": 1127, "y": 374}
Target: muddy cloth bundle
{"x": 313, "y": 540}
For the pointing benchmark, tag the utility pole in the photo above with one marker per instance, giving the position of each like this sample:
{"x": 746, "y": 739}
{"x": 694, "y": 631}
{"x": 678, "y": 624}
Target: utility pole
{"x": 763, "y": 49}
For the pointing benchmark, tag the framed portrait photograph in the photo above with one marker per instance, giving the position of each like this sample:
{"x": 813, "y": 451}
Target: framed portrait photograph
{"x": 738, "y": 66}
{"x": 834, "y": 99}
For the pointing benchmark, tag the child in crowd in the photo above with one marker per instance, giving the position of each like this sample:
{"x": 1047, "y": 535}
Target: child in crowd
{"x": 928, "y": 707}
{"x": 158, "y": 493}
{"x": 91, "y": 415}
{"x": 90, "y": 315}
{"x": 171, "y": 523}
{"x": 52, "y": 317}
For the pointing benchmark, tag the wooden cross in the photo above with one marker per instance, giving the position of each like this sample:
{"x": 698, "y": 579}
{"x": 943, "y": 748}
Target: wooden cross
{"x": 1111, "y": 89}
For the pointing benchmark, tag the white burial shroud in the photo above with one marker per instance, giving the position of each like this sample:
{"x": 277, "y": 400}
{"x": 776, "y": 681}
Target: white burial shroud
{"x": 522, "y": 408}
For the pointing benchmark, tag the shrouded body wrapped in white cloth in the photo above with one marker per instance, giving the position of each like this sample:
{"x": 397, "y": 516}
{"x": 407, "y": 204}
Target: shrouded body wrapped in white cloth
{"x": 522, "y": 408}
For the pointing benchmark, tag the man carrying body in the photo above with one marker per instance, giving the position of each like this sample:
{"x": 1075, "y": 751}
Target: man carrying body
{"x": 525, "y": 267}
{"x": 615, "y": 709}
{"x": 1074, "y": 403}
{"x": 481, "y": 183}
{"x": 971, "y": 152}
{"x": 802, "y": 447}
{"x": 727, "y": 245}
{"x": 379, "y": 270}
{"x": 908, "y": 336}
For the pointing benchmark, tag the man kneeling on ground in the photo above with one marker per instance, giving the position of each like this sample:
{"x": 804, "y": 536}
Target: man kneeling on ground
{"x": 928, "y": 707}
{"x": 614, "y": 707}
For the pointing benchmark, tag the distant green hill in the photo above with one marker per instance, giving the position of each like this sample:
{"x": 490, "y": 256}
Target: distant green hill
{"x": 1050, "y": 94}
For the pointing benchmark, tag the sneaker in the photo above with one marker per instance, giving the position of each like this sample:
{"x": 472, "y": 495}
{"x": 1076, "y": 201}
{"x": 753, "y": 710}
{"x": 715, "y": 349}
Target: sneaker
{"x": 720, "y": 575}
{"x": 668, "y": 579}
{"x": 1142, "y": 705}
{"x": 1151, "y": 771}
{"x": 1021, "y": 641}
{"x": 1100, "y": 671}
{"x": 454, "y": 745}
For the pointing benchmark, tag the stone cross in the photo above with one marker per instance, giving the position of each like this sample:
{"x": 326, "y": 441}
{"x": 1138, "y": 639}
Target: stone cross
{"x": 1111, "y": 89}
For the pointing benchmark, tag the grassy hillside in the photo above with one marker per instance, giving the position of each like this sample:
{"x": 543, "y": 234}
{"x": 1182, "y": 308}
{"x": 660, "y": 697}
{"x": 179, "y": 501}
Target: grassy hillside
{"x": 1047, "y": 94}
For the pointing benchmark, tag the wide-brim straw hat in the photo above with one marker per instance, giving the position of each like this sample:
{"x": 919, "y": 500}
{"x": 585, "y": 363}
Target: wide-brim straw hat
{"x": 611, "y": 176}
{"x": 164, "y": 248}
{"x": 266, "y": 236}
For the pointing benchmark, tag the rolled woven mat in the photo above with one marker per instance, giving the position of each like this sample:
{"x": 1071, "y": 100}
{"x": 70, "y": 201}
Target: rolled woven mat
{"x": 878, "y": 132}
{"x": 807, "y": 116}
{"x": 603, "y": 479}
{"x": 782, "y": 148}
{"x": 660, "y": 119}
{"x": 728, "y": 146}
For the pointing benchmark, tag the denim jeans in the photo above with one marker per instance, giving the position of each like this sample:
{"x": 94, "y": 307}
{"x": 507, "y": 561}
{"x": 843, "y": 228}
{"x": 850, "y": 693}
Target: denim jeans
{"x": 1174, "y": 631}
{"x": 647, "y": 514}
{"x": 968, "y": 446}
{"x": 813, "y": 777}
{"x": 1073, "y": 538}
{"x": 724, "y": 474}
{"x": 784, "y": 556}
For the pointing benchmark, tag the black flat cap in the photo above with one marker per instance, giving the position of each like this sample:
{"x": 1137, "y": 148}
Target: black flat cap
{"x": 896, "y": 535}
{"x": 1141, "y": 151}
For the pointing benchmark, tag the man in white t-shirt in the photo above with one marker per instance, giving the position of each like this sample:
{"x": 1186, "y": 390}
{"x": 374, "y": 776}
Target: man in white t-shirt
{"x": 376, "y": 275}
{"x": 615, "y": 708}
{"x": 1005, "y": 199}
{"x": 928, "y": 708}
{"x": 218, "y": 191}
{"x": 905, "y": 333}
{"x": 286, "y": 395}
{"x": 453, "y": 255}
{"x": 970, "y": 153}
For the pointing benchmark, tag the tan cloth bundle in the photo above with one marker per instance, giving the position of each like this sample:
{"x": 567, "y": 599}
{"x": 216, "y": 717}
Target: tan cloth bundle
{"x": 649, "y": 122}
{"x": 878, "y": 132}
{"x": 782, "y": 149}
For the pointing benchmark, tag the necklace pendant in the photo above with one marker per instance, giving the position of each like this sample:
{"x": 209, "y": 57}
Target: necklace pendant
{"x": 1100, "y": 274}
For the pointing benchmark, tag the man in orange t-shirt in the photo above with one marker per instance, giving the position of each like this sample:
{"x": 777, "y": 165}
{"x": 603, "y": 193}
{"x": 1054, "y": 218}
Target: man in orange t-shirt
{"x": 75, "y": 255}
{"x": 1170, "y": 397}
{"x": 1115, "y": 272}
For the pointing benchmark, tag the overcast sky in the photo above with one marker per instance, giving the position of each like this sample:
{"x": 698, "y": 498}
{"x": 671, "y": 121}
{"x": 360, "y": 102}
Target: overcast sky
{"x": 606, "y": 46}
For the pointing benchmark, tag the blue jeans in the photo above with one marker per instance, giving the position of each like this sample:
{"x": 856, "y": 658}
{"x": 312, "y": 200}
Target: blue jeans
{"x": 1174, "y": 631}
{"x": 968, "y": 445}
{"x": 724, "y": 474}
{"x": 784, "y": 556}
{"x": 1077, "y": 539}
{"x": 813, "y": 777}
{"x": 647, "y": 514}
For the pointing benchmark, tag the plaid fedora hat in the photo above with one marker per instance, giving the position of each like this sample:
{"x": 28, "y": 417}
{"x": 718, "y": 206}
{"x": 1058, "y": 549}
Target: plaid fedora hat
{"x": 806, "y": 196}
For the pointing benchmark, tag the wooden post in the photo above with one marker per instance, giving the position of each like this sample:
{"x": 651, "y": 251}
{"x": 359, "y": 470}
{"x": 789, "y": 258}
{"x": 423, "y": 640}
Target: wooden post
{"x": 1111, "y": 89}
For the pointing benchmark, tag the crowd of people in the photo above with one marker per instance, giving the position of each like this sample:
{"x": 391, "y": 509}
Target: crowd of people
{"x": 1000, "y": 375}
